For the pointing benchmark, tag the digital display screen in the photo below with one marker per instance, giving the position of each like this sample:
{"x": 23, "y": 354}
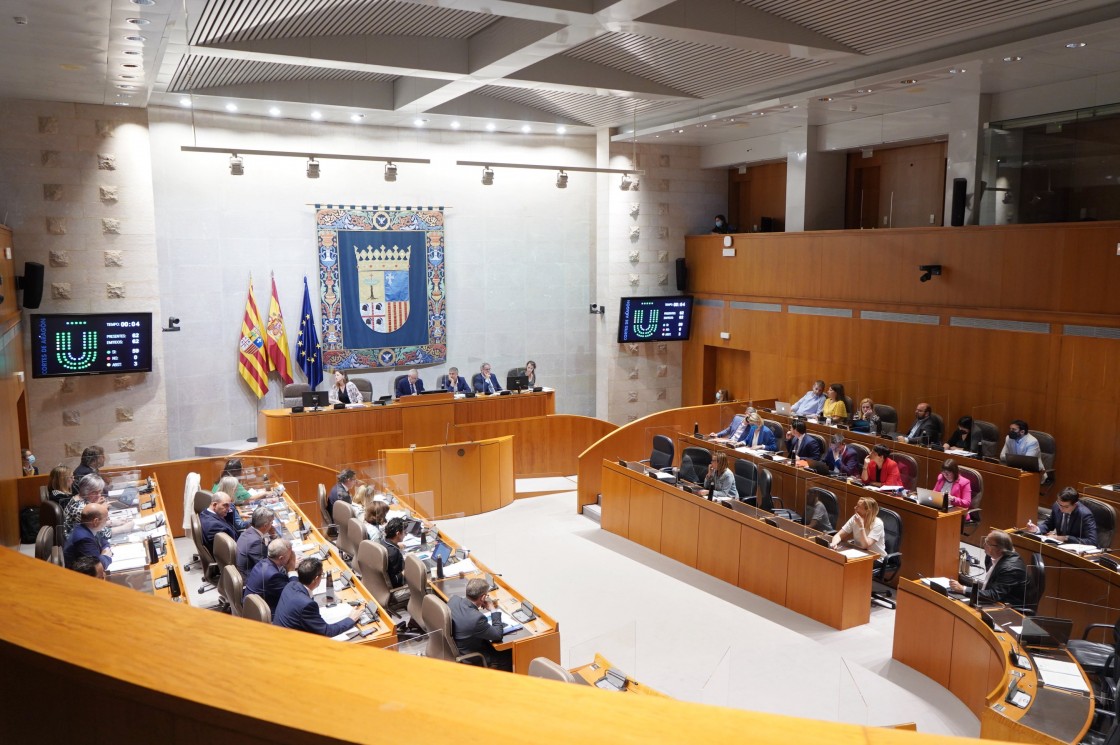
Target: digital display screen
{"x": 664, "y": 318}
{"x": 90, "y": 344}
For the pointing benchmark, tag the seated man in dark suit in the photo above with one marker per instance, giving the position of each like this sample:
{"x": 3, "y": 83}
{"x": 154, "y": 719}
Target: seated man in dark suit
{"x": 842, "y": 457}
{"x": 411, "y": 385}
{"x": 297, "y": 609}
{"x": 90, "y": 566}
{"x": 473, "y": 631}
{"x": 84, "y": 539}
{"x": 219, "y": 517}
{"x": 93, "y": 458}
{"x": 341, "y": 490}
{"x": 391, "y": 540}
{"x": 799, "y": 446}
{"x": 269, "y": 577}
{"x": 1069, "y": 521}
{"x": 486, "y": 381}
{"x": 456, "y": 384}
{"x": 252, "y": 545}
{"x": 1005, "y": 580}
{"x": 925, "y": 430}
{"x": 734, "y": 431}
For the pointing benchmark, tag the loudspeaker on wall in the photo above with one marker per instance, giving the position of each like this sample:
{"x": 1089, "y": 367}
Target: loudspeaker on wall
{"x": 682, "y": 276}
{"x": 32, "y": 284}
{"x": 960, "y": 186}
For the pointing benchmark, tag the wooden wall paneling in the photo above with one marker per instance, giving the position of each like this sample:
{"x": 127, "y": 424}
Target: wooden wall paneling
{"x": 680, "y": 530}
{"x": 732, "y": 371}
{"x": 456, "y": 485}
{"x": 543, "y": 445}
{"x": 917, "y": 623}
{"x": 763, "y": 562}
{"x": 426, "y": 425}
{"x": 491, "y": 489}
{"x": 819, "y": 593}
{"x": 1089, "y": 272}
{"x": 646, "y": 516}
{"x": 970, "y": 658}
{"x": 616, "y": 502}
{"x": 717, "y": 550}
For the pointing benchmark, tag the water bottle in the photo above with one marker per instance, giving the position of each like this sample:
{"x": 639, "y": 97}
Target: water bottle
{"x": 173, "y": 583}
{"x": 696, "y": 429}
{"x": 330, "y": 598}
{"x": 439, "y": 567}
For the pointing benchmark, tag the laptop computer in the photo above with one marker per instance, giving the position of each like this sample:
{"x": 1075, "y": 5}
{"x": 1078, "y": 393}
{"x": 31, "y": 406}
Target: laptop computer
{"x": 782, "y": 407}
{"x": 443, "y": 551}
{"x": 930, "y": 498}
{"x": 1027, "y": 463}
{"x": 1045, "y": 631}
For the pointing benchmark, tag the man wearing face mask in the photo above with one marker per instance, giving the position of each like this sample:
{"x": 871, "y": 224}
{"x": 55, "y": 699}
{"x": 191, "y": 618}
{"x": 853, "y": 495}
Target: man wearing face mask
{"x": 1021, "y": 442}
{"x": 721, "y": 225}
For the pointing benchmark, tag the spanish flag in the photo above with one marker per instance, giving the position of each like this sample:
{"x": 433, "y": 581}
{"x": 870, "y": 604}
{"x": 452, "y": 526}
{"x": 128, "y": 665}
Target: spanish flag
{"x": 276, "y": 343}
{"x": 252, "y": 362}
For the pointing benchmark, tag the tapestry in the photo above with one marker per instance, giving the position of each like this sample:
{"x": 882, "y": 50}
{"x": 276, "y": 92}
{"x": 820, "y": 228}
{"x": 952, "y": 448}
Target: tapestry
{"x": 381, "y": 285}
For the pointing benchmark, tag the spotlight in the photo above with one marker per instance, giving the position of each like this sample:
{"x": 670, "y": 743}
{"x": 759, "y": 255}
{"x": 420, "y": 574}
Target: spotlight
{"x": 487, "y": 176}
{"x": 561, "y": 180}
{"x": 627, "y": 182}
{"x": 312, "y": 168}
{"x": 930, "y": 271}
{"x": 390, "y": 171}
{"x": 236, "y": 165}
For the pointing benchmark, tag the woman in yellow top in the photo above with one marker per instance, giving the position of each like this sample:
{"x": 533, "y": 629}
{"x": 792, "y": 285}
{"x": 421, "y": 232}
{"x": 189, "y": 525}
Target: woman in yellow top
{"x": 834, "y": 406}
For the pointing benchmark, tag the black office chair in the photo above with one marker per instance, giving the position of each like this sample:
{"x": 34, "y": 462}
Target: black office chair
{"x": 1036, "y": 586}
{"x": 830, "y": 502}
{"x": 442, "y": 382}
{"x": 887, "y": 568}
{"x": 907, "y": 469}
{"x": 862, "y": 450}
{"x": 940, "y": 428}
{"x": 396, "y": 381}
{"x": 661, "y": 457}
{"x": 820, "y": 441}
{"x": 764, "y": 486}
{"x": 1105, "y": 517}
{"x": 851, "y": 411}
{"x": 746, "y": 480}
{"x": 293, "y": 394}
{"x": 776, "y": 430}
{"x": 972, "y": 517}
{"x": 985, "y": 438}
{"x": 1092, "y": 656}
{"x": 694, "y": 464}
{"x": 888, "y": 417}
{"x": 1049, "y": 449}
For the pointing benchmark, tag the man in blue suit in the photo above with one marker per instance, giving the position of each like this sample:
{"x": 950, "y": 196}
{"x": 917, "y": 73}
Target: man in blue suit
{"x": 842, "y": 457}
{"x": 252, "y": 545}
{"x": 411, "y": 385}
{"x": 486, "y": 381}
{"x": 799, "y": 445}
{"x": 84, "y": 540}
{"x": 1069, "y": 521}
{"x": 219, "y": 517}
{"x": 297, "y": 610}
{"x": 734, "y": 431}
{"x": 454, "y": 383}
{"x": 269, "y": 577}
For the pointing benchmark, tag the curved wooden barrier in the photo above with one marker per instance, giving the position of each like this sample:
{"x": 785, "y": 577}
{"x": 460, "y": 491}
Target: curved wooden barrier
{"x": 152, "y": 671}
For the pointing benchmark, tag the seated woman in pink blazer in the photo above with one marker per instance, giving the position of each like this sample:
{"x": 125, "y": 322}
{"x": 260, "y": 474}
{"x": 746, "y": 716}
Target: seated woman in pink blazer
{"x": 950, "y": 480}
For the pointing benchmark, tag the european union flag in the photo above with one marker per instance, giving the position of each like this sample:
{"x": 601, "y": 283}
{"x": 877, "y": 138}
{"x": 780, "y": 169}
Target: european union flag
{"x": 309, "y": 355}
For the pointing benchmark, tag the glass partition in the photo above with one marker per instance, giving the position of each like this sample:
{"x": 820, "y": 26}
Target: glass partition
{"x": 616, "y": 646}
{"x": 417, "y": 646}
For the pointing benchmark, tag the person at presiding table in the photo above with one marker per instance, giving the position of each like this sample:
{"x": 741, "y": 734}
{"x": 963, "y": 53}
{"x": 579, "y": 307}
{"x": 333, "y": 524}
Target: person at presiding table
{"x": 93, "y": 458}
{"x": 252, "y": 544}
{"x": 879, "y": 469}
{"x": 949, "y": 480}
{"x": 220, "y": 517}
{"x": 812, "y": 402}
{"x": 864, "y": 528}
{"x": 84, "y": 540}
{"x": 1005, "y": 576}
{"x": 1069, "y": 521}
{"x": 410, "y": 386}
{"x": 834, "y": 405}
{"x": 90, "y": 491}
{"x": 719, "y": 483}
{"x": 473, "y": 631}
{"x": 347, "y": 479}
{"x": 456, "y": 384}
{"x": 1020, "y": 441}
{"x": 531, "y": 373}
{"x": 269, "y": 578}
{"x": 391, "y": 540}
{"x": 735, "y": 431}
{"x": 343, "y": 391}
{"x": 925, "y": 429}
{"x": 486, "y": 381}
{"x": 233, "y": 469}
{"x": 799, "y": 445}
{"x": 61, "y": 485}
{"x": 297, "y": 609}
{"x": 841, "y": 457}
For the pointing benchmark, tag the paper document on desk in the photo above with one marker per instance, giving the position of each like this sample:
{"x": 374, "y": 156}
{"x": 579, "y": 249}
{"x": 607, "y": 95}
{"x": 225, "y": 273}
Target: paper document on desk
{"x": 402, "y": 514}
{"x": 1081, "y": 549}
{"x": 466, "y": 566}
{"x": 958, "y": 451}
{"x": 335, "y": 614}
{"x": 125, "y": 513}
{"x": 1060, "y": 674}
{"x": 128, "y": 556}
{"x": 939, "y": 581}
{"x": 305, "y": 547}
{"x": 854, "y": 553}
{"x": 411, "y": 541}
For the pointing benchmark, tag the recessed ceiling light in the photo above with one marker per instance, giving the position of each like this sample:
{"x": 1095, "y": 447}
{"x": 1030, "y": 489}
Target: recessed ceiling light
{"x": 956, "y": 70}
{"x": 908, "y": 81}
{"x": 316, "y": 115}
{"x": 274, "y": 111}
{"x": 128, "y": 77}
{"x": 231, "y": 107}
{"x": 418, "y": 122}
{"x": 1013, "y": 58}
{"x": 864, "y": 90}
{"x": 1075, "y": 45}
{"x": 490, "y": 127}
{"x": 825, "y": 99}
{"x": 130, "y": 66}
{"x": 126, "y": 86}
{"x": 185, "y": 101}
{"x": 143, "y": 2}
{"x": 455, "y": 124}
{"x": 138, "y": 21}
{"x": 132, "y": 52}
{"x": 561, "y": 130}
{"x": 680, "y": 131}
{"x": 526, "y": 129}
{"x": 71, "y": 67}
{"x": 135, "y": 38}
{"x": 121, "y": 103}
{"x": 357, "y": 117}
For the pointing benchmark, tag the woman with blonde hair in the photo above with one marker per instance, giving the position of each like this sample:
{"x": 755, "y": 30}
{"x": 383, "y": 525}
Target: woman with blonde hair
{"x": 61, "y": 484}
{"x": 864, "y": 529}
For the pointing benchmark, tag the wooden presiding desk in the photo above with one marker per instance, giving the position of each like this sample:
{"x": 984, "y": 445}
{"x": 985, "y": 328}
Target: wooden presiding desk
{"x": 930, "y": 538}
{"x": 949, "y": 642}
{"x": 782, "y": 564}
{"x": 464, "y": 478}
{"x": 420, "y": 420}
{"x": 593, "y": 672}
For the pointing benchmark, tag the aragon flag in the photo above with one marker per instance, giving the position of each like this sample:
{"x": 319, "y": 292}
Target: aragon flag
{"x": 252, "y": 362}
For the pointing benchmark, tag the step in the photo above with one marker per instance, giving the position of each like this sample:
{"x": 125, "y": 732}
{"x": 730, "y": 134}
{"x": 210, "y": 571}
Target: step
{"x": 593, "y": 512}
